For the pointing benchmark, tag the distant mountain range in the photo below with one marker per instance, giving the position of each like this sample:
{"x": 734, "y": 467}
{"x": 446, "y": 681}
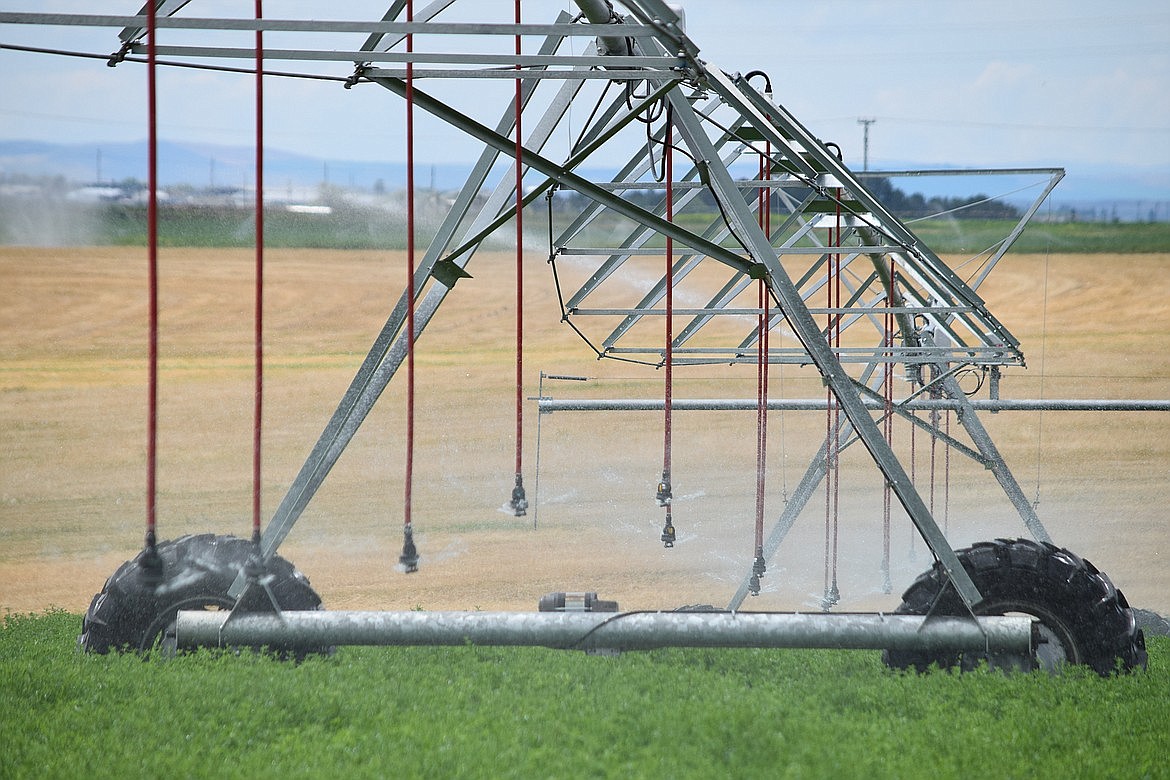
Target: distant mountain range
{"x": 204, "y": 165}
{"x": 1134, "y": 192}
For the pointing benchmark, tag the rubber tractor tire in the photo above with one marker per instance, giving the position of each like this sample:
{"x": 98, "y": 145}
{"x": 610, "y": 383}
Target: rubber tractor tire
{"x": 1083, "y": 618}
{"x": 132, "y": 612}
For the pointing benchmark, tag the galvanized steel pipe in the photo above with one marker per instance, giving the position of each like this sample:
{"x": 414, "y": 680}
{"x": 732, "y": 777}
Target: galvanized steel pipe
{"x": 606, "y": 631}
{"x": 601, "y": 12}
{"x": 549, "y": 405}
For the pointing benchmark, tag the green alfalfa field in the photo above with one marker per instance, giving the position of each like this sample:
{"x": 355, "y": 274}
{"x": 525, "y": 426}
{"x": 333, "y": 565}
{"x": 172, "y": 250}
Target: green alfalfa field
{"x": 531, "y": 712}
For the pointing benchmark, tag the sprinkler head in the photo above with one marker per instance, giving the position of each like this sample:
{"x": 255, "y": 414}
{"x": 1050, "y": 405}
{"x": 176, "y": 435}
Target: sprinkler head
{"x": 758, "y": 566}
{"x": 754, "y": 585}
{"x": 668, "y": 535}
{"x": 519, "y": 502}
{"x": 663, "y": 496}
{"x": 831, "y": 599}
{"x": 150, "y": 563}
{"x": 409, "y": 558}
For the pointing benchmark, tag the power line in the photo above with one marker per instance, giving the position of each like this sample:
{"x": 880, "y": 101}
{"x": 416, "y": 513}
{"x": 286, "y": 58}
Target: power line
{"x": 1005, "y": 125}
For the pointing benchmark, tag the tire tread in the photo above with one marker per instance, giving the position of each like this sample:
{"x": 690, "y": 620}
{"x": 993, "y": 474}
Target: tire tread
{"x": 1040, "y": 576}
{"x": 197, "y": 568}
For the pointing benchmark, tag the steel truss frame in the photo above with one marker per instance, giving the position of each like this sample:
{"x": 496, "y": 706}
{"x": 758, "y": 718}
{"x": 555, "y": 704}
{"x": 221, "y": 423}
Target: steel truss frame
{"x": 830, "y": 222}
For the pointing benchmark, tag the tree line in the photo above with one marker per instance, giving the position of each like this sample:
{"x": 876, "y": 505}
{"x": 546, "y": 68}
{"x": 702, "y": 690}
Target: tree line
{"x": 901, "y": 203}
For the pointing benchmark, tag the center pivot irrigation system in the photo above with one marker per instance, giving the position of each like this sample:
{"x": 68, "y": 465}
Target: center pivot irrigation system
{"x": 811, "y": 269}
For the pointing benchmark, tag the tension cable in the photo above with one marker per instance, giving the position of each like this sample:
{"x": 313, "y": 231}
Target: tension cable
{"x": 408, "y": 560}
{"x": 664, "y": 495}
{"x": 888, "y": 422}
{"x": 519, "y": 501}
{"x": 832, "y": 423}
{"x": 764, "y": 207}
{"x": 258, "y": 389}
{"x": 150, "y": 561}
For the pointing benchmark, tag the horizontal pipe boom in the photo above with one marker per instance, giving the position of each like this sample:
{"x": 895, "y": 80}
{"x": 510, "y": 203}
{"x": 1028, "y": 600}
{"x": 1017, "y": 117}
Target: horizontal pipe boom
{"x": 549, "y": 405}
{"x": 605, "y": 631}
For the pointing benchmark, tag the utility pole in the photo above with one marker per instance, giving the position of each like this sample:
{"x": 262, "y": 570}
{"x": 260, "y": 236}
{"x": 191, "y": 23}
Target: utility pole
{"x": 865, "y": 141}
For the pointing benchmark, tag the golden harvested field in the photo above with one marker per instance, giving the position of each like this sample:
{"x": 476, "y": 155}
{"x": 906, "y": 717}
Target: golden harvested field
{"x": 73, "y": 421}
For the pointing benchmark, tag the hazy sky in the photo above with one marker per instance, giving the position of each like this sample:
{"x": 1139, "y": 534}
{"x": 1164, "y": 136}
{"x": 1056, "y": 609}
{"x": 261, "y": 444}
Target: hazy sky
{"x": 992, "y": 82}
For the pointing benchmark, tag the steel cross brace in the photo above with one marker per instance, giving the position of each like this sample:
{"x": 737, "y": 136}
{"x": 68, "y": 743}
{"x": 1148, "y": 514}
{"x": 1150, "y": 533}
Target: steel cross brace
{"x": 819, "y": 350}
{"x": 917, "y": 260}
{"x": 389, "y": 350}
{"x": 387, "y": 353}
{"x": 986, "y": 453}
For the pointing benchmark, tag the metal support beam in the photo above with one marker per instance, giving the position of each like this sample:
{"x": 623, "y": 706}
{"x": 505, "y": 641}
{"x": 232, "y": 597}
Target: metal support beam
{"x": 986, "y": 446}
{"x": 389, "y": 349}
{"x": 564, "y": 176}
{"x": 792, "y": 508}
{"x": 606, "y": 630}
{"x": 811, "y": 338}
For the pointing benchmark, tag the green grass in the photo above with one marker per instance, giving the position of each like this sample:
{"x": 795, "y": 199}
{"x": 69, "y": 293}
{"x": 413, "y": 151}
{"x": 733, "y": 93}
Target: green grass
{"x": 968, "y": 236}
{"x": 203, "y": 227}
{"x": 494, "y": 712}
{"x": 974, "y": 235}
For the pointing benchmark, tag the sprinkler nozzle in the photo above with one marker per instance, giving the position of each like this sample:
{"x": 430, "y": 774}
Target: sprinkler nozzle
{"x": 831, "y": 599}
{"x": 668, "y": 535}
{"x": 519, "y": 502}
{"x": 758, "y": 566}
{"x": 663, "y": 496}
{"x": 150, "y": 563}
{"x": 409, "y": 558}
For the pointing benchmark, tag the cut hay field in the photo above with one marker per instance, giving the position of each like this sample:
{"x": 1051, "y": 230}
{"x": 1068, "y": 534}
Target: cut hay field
{"x": 72, "y": 422}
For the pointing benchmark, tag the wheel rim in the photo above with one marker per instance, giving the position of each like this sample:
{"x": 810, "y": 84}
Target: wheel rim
{"x": 154, "y": 638}
{"x": 1056, "y": 647}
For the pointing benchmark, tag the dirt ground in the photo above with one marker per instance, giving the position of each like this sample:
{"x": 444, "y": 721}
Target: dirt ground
{"x": 73, "y": 420}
